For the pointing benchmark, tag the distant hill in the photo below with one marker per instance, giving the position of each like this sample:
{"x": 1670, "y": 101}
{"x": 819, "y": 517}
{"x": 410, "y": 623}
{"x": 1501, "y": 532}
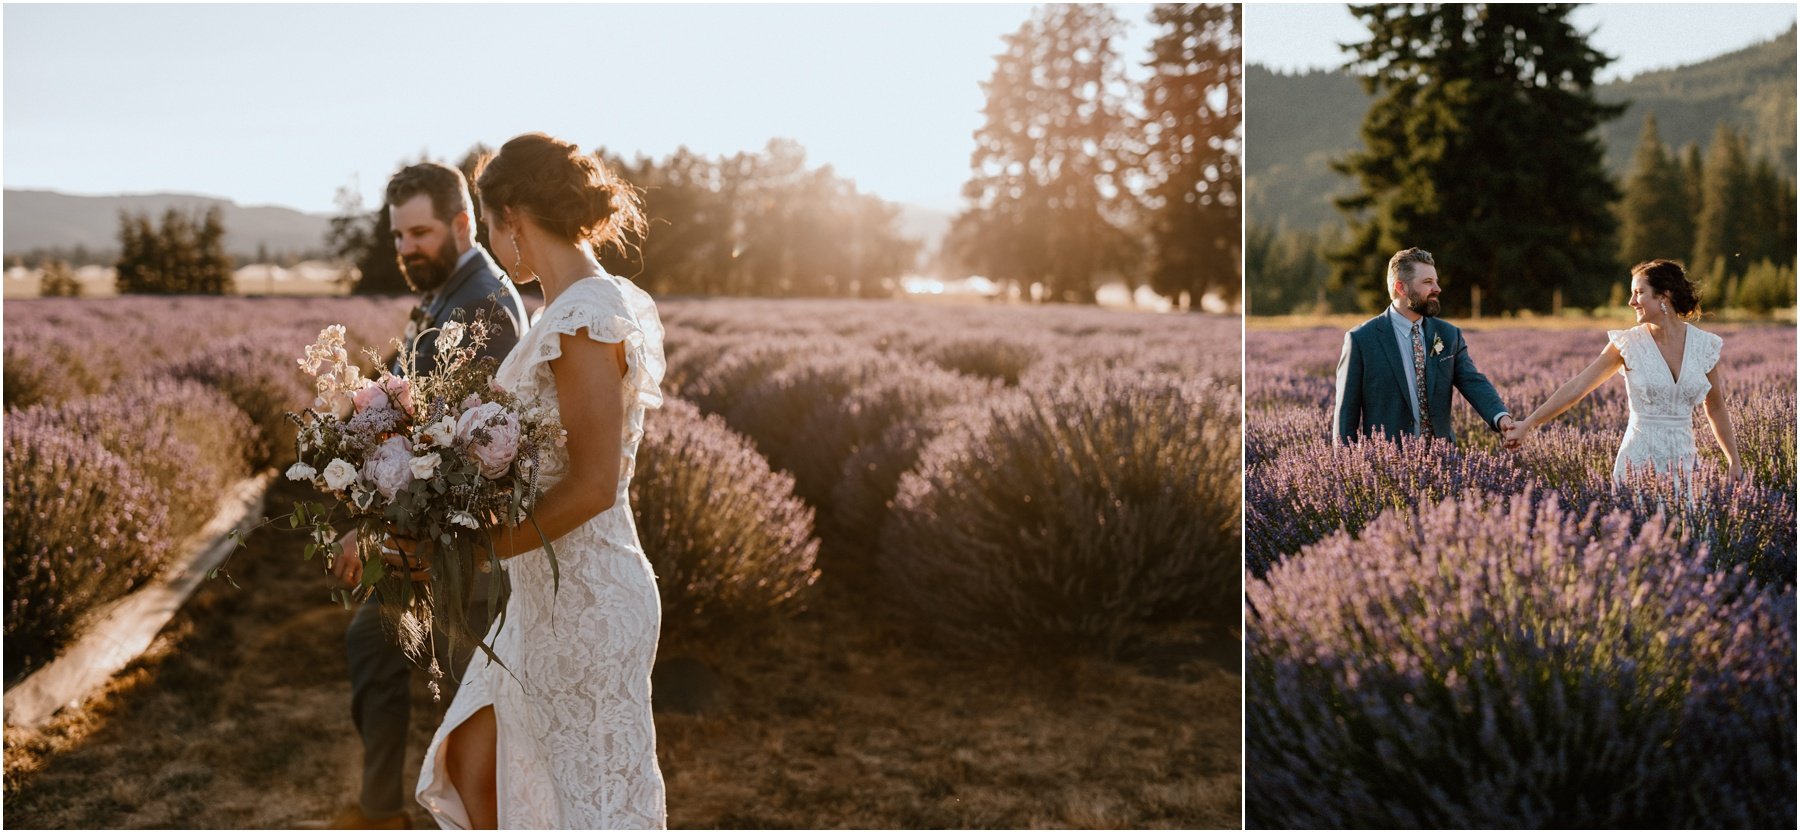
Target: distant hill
{"x": 39, "y": 220}
{"x": 1297, "y": 123}
{"x": 42, "y": 220}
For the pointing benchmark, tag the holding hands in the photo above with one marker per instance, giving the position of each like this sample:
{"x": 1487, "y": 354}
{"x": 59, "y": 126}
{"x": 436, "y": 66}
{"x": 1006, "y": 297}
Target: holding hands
{"x": 1513, "y": 432}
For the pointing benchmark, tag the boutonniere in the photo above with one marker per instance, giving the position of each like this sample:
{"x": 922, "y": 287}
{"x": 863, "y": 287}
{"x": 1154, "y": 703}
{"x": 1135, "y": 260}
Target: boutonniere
{"x": 1437, "y": 345}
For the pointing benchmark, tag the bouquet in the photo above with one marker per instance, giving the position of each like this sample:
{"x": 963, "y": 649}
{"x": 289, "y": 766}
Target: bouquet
{"x": 432, "y": 456}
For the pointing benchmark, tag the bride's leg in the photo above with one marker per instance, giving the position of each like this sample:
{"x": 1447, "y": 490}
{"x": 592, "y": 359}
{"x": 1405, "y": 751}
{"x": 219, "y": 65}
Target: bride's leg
{"x": 469, "y": 761}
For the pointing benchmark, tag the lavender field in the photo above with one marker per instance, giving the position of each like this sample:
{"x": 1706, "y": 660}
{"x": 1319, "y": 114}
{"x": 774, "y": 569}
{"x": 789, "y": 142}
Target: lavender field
{"x": 1470, "y": 637}
{"x": 981, "y": 524}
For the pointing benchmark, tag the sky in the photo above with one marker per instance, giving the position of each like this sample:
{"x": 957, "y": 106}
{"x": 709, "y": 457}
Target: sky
{"x": 284, "y": 105}
{"x": 1641, "y": 36}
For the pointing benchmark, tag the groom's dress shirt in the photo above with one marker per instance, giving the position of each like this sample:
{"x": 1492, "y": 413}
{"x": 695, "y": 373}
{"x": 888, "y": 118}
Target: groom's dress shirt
{"x": 1403, "y": 335}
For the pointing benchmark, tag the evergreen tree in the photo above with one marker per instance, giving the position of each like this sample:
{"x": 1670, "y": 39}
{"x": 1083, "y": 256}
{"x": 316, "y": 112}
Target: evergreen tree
{"x": 1481, "y": 147}
{"x": 181, "y": 257}
{"x": 1047, "y": 193}
{"x": 364, "y": 242}
{"x": 212, "y": 272}
{"x": 1193, "y": 134}
{"x": 1726, "y": 206}
{"x": 56, "y": 280}
{"x": 1654, "y": 218}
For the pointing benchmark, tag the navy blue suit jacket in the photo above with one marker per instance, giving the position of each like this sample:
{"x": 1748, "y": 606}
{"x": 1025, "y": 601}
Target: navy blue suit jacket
{"x": 1372, "y": 379}
{"x": 477, "y": 287}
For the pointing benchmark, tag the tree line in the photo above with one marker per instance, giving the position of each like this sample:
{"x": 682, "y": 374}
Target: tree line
{"x": 1482, "y": 146}
{"x": 1081, "y": 176}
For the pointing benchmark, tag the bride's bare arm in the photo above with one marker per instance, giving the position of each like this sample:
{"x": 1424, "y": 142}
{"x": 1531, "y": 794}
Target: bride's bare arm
{"x": 590, "y": 386}
{"x": 1720, "y": 417}
{"x": 1577, "y": 388}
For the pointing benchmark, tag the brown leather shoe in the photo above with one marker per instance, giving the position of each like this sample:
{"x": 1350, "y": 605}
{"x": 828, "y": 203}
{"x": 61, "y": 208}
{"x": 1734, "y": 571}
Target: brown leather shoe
{"x": 351, "y": 818}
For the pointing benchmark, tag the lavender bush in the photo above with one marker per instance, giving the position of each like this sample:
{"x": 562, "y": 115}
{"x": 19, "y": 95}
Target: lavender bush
{"x": 126, "y": 417}
{"x": 731, "y": 546}
{"x": 82, "y": 527}
{"x": 1072, "y": 515}
{"x": 1502, "y": 662}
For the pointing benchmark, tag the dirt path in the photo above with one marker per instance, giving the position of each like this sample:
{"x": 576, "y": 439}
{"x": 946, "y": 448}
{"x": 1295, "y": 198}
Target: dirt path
{"x": 238, "y": 717}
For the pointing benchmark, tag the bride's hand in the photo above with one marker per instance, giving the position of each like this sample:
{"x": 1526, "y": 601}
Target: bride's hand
{"x": 1735, "y": 472}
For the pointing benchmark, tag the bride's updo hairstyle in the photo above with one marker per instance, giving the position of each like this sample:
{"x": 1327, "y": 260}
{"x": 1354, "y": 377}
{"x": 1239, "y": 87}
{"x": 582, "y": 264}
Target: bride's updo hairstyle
{"x": 1667, "y": 277}
{"x": 568, "y": 193}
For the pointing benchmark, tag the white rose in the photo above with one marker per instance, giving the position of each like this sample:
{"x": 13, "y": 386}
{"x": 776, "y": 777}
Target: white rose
{"x": 464, "y": 519}
{"x": 301, "y": 471}
{"x": 425, "y": 465}
{"x": 440, "y": 433}
{"x": 339, "y": 475}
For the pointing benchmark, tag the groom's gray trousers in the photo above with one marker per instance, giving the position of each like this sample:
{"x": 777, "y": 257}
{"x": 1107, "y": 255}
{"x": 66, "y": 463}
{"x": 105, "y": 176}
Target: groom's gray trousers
{"x": 381, "y": 697}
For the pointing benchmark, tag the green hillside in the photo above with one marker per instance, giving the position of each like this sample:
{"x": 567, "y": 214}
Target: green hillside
{"x": 1296, "y": 123}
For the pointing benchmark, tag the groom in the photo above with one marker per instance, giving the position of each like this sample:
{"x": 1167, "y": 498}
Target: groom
{"x": 434, "y": 233}
{"x": 1397, "y": 368}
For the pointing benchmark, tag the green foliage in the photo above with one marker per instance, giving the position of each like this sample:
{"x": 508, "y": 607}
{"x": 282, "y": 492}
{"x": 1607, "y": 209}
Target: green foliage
{"x": 364, "y": 240}
{"x": 58, "y": 280}
{"x": 760, "y": 224}
{"x": 1196, "y": 110}
{"x": 1655, "y": 218}
{"x": 1288, "y": 272}
{"x": 184, "y": 256}
{"x": 1049, "y": 202}
{"x": 1480, "y": 147}
{"x": 1766, "y": 287}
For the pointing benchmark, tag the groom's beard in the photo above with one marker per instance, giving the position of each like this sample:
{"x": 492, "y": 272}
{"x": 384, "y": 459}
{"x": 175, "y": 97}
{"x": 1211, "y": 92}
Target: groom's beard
{"x": 427, "y": 272}
{"x": 1428, "y": 307}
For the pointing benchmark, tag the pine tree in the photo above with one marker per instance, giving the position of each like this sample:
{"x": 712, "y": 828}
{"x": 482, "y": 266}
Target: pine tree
{"x": 1048, "y": 194}
{"x": 1725, "y": 204}
{"x": 1193, "y": 135}
{"x": 212, "y": 268}
{"x": 1481, "y": 147}
{"x": 1654, "y": 219}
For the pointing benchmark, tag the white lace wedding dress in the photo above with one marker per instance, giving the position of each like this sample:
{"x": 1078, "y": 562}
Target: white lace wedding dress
{"x": 576, "y": 745}
{"x": 1660, "y": 433}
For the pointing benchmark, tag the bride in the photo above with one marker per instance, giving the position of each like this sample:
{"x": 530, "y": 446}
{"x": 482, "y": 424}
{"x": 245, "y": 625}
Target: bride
{"x": 562, "y": 735}
{"x": 1669, "y": 365}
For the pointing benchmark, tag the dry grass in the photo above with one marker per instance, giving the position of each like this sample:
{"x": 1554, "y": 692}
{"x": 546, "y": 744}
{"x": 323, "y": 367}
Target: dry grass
{"x": 238, "y": 717}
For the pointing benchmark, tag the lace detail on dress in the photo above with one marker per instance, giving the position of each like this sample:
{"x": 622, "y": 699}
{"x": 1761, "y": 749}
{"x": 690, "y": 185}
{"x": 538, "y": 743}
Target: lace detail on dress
{"x": 1660, "y": 433}
{"x": 576, "y": 740}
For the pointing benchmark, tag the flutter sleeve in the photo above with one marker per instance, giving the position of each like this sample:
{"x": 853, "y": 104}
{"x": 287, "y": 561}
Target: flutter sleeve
{"x": 612, "y": 311}
{"x": 1709, "y": 345}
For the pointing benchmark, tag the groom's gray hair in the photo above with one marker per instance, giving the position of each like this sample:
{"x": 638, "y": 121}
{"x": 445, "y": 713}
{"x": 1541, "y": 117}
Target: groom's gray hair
{"x": 1400, "y": 267}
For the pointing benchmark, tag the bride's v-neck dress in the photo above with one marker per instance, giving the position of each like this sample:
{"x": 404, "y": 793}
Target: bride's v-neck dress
{"x": 576, "y": 745}
{"x": 1660, "y": 433}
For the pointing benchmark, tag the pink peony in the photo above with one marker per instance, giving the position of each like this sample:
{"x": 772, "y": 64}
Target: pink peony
{"x": 389, "y": 468}
{"x": 399, "y": 392}
{"x": 370, "y": 397}
{"x": 502, "y": 445}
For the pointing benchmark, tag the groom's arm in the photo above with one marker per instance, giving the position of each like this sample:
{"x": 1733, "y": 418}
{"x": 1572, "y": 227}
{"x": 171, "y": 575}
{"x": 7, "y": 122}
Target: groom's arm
{"x": 1347, "y": 408}
{"x": 1475, "y": 387}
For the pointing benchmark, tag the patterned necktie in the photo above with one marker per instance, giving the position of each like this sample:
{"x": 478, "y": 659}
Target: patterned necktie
{"x": 1418, "y": 344}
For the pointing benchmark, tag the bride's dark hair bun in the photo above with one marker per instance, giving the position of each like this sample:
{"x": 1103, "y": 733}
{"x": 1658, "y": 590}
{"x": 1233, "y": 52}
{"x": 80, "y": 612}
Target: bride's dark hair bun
{"x": 570, "y": 194}
{"x": 1667, "y": 277}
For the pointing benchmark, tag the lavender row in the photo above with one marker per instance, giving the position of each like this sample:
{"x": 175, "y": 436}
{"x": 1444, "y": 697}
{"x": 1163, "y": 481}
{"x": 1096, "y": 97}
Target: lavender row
{"x": 1502, "y": 661}
{"x": 1119, "y": 431}
{"x": 126, "y": 420}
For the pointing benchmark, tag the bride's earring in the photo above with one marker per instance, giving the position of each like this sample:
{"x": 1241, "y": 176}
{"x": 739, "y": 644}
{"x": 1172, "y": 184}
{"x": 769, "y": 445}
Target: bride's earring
{"x": 518, "y": 255}
{"x": 1665, "y": 307}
